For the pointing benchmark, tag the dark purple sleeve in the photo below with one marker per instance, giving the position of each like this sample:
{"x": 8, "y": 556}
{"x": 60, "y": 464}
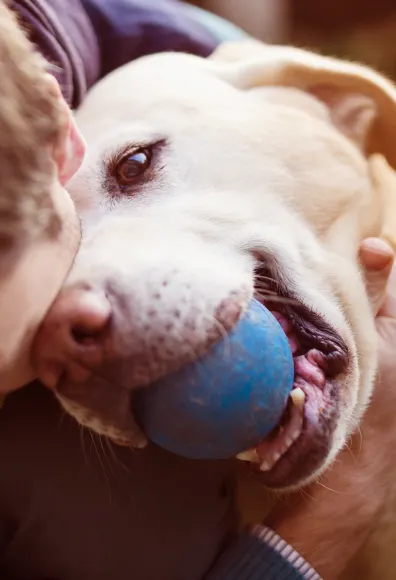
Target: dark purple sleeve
{"x": 127, "y": 29}
{"x": 86, "y": 39}
{"x": 63, "y": 33}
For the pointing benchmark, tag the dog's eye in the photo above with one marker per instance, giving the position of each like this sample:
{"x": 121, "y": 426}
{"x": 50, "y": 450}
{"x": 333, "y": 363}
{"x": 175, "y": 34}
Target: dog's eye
{"x": 132, "y": 166}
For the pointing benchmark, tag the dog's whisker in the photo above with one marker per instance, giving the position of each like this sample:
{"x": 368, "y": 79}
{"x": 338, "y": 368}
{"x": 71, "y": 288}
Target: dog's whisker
{"x": 82, "y": 441}
{"x": 116, "y": 459}
{"x": 267, "y": 279}
{"x": 356, "y": 423}
{"x": 105, "y": 457}
{"x": 225, "y": 337}
{"x": 281, "y": 498}
{"x": 101, "y": 462}
{"x": 340, "y": 492}
{"x": 273, "y": 298}
{"x": 62, "y": 417}
{"x": 304, "y": 493}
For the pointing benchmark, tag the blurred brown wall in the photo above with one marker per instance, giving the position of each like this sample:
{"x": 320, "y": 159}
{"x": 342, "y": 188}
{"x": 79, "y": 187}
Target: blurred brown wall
{"x": 331, "y": 16}
{"x": 363, "y": 30}
{"x": 264, "y": 19}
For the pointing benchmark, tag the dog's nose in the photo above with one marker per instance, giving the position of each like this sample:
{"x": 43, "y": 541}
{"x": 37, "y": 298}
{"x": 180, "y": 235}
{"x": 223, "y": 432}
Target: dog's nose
{"x": 72, "y": 336}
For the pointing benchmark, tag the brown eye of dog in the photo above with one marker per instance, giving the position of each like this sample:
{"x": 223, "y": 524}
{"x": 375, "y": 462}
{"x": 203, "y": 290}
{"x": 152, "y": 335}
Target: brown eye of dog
{"x": 132, "y": 166}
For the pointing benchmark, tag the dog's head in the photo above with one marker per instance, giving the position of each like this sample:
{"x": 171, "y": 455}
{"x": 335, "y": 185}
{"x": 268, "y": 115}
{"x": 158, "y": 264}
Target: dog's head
{"x": 208, "y": 182}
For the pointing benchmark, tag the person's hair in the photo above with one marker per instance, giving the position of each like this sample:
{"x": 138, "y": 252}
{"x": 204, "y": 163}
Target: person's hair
{"x": 32, "y": 121}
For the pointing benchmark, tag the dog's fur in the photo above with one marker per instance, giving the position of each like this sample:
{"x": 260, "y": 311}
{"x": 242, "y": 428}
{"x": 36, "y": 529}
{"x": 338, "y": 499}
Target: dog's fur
{"x": 264, "y": 155}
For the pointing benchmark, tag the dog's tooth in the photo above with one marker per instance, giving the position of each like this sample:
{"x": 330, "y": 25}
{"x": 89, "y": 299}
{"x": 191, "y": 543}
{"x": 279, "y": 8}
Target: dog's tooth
{"x": 298, "y": 397}
{"x": 295, "y": 435}
{"x": 289, "y": 442}
{"x": 250, "y": 455}
{"x": 265, "y": 466}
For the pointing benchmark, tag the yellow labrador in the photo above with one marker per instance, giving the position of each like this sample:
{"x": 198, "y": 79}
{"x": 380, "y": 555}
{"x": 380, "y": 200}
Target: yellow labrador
{"x": 208, "y": 182}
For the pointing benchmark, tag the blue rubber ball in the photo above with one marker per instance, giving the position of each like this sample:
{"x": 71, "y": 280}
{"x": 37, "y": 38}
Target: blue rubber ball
{"x": 228, "y": 401}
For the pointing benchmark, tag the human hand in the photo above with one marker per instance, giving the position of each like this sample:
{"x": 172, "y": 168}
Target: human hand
{"x": 329, "y": 521}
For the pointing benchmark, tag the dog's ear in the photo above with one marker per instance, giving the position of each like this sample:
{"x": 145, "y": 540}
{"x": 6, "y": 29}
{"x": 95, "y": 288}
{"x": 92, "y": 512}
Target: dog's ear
{"x": 362, "y": 103}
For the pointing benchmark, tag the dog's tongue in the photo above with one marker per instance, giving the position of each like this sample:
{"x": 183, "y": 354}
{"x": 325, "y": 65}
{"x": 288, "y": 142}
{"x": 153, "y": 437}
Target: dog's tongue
{"x": 282, "y": 438}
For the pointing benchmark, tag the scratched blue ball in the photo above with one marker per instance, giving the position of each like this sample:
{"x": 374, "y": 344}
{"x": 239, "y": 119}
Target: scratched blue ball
{"x": 229, "y": 400}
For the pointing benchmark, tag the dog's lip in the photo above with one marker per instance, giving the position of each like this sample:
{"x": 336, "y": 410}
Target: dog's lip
{"x": 311, "y": 448}
{"x": 314, "y": 332}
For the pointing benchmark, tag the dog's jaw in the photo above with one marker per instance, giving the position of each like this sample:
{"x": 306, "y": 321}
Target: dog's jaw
{"x": 318, "y": 435}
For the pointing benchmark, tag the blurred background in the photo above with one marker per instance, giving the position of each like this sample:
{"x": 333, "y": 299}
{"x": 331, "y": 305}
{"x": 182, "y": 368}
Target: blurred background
{"x": 363, "y": 30}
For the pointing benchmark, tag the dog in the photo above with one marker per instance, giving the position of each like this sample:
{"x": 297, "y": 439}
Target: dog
{"x": 208, "y": 182}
